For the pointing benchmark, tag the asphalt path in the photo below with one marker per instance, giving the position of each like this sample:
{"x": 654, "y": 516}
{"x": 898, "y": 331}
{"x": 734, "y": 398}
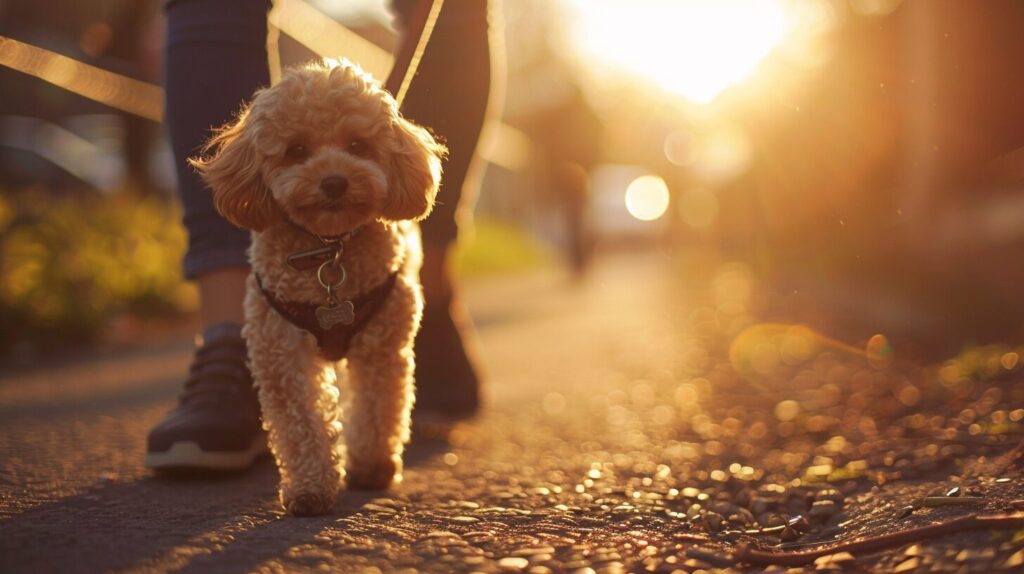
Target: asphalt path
{"x": 616, "y": 438}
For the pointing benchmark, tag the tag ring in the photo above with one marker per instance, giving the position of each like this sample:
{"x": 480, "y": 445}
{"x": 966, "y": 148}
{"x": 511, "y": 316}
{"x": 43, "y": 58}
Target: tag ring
{"x": 323, "y": 282}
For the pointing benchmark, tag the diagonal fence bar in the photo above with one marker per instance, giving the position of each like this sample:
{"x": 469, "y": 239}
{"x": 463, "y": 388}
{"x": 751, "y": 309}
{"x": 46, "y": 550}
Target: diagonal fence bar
{"x": 117, "y": 91}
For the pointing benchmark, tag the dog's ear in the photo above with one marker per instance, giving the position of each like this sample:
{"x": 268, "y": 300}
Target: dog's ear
{"x": 232, "y": 172}
{"x": 414, "y": 172}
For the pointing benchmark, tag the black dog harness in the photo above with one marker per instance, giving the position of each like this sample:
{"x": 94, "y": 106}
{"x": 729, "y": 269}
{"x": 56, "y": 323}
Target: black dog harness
{"x": 334, "y": 342}
{"x": 337, "y": 322}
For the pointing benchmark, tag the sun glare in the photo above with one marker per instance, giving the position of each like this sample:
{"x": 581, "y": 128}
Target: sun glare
{"x": 695, "y": 48}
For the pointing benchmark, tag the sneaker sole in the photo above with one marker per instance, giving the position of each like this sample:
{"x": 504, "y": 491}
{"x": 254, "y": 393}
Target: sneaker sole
{"x": 187, "y": 455}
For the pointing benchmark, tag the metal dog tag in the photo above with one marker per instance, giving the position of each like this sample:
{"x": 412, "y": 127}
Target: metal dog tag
{"x": 335, "y": 313}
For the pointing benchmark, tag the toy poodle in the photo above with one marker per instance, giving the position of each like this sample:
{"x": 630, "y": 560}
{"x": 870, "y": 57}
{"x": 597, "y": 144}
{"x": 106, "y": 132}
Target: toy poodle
{"x": 330, "y": 179}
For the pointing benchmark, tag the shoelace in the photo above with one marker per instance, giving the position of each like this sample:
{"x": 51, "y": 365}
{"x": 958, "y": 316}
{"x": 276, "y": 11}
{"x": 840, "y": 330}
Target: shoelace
{"x": 218, "y": 370}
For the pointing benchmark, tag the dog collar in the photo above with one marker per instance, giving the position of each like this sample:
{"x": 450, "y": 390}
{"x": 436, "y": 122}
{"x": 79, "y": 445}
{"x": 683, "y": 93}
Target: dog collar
{"x": 332, "y": 247}
{"x": 326, "y": 238}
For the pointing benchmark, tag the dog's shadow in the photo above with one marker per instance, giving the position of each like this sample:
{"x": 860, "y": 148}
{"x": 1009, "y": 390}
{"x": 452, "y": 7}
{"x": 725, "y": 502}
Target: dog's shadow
{"x": 252, "y": 547}
{"x": 189, "y": 523}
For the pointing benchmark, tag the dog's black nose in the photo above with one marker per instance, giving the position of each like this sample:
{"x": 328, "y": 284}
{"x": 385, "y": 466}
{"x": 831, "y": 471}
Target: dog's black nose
{"x": 334, "y": 186}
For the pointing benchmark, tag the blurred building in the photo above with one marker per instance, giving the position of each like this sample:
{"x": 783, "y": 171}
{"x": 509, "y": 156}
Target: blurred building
{"x": 864, "y": 156}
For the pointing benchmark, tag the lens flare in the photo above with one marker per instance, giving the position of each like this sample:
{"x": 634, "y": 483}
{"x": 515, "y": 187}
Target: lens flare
{"x": 766, "y": 349}
{"x": 647, "y": 198}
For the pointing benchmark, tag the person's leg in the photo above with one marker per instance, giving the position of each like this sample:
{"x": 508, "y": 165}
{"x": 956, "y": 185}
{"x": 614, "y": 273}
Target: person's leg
{"x": 450, "y": 96}
{"x": 215, "y": 59}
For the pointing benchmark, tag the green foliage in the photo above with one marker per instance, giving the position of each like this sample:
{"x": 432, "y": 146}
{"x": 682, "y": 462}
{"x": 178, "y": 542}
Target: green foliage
{"x": 68, "y": 264}
{"x": 494, "y": 247}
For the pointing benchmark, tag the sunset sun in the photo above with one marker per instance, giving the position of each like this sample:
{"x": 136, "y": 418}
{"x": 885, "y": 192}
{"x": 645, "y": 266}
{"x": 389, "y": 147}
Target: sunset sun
{"x": 694, "y": 48}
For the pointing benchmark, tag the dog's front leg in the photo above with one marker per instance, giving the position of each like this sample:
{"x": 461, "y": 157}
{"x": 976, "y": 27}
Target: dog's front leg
{"x": 299, "y": 402}
{"x": 381, "y": 369}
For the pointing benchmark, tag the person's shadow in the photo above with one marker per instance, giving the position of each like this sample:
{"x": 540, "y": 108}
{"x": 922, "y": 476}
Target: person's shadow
{"x": 225, "y": 523}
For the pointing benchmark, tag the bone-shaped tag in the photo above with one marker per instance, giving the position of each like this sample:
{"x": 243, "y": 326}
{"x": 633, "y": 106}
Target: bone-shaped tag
{"x": 335, "y": 313}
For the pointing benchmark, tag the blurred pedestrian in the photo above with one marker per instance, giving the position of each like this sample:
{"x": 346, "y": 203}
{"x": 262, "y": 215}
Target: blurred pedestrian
{"x": 568, "y": 134}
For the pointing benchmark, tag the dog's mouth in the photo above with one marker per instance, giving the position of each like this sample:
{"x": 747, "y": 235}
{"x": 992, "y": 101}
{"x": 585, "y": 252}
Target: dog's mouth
{"x": 329, "y": 216}
{"x": 333, "y": 205}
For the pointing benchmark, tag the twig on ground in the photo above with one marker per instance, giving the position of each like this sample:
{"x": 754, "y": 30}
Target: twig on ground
{"x": 746, "y": 555}
{"x": 931, "y": 501}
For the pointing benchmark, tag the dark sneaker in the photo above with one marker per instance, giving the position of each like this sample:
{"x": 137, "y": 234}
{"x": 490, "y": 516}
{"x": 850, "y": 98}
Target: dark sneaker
{"x": 216, "y": 425}
{"x": 447, "y": 383}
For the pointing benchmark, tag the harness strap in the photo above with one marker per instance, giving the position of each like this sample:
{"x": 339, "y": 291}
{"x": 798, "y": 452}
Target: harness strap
{"x": 334, "y": 343}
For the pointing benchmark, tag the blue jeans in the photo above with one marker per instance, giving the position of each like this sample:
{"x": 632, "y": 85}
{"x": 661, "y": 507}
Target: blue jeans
{"x": 215, "y": 59}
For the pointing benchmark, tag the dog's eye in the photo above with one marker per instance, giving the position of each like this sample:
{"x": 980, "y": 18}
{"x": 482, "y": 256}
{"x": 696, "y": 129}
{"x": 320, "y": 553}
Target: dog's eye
{"x": 297, "y": 151}
{"x": 358, "y": 147}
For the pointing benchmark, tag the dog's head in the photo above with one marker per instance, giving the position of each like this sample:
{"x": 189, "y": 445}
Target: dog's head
{"x": 325, "y": 147}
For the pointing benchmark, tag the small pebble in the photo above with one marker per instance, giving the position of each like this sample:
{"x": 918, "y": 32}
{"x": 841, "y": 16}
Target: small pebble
{"x": 789, "y": 534}
{"x": 908, "y": 565}
{"x": 837, "y": 559}
{"x": 1015, "y": 560}
{"x": 799, "y": 523}
{"x": 713, "y": 521}
{"x": 441, "y": 534}
{"x": 534, "y": 550}
{"x": 513, "y": 563}
{"x": 822, "y": 510}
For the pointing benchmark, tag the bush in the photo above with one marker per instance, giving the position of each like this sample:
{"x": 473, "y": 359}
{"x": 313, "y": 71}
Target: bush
{"x": 69, "y": 264}
{"x": 494, "y": 247}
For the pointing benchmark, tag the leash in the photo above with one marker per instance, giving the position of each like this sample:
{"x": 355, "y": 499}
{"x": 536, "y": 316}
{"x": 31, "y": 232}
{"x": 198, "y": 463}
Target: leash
{"x": 420, "y": 26}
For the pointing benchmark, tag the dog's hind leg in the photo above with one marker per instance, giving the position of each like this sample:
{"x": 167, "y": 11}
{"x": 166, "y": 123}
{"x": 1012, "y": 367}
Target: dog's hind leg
{"x": 299, "y": 401}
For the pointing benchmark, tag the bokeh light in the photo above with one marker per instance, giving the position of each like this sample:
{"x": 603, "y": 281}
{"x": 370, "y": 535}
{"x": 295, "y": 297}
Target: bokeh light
{"x": 879, "y": 351}
{"x": 647, "y": 198}
{"x": 679, "y": 148}
{"x": 723, "y": 153}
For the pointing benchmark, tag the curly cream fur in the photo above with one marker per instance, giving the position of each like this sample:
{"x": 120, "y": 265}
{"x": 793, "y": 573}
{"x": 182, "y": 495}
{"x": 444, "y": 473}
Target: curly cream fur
{"x": 260, "y": 185}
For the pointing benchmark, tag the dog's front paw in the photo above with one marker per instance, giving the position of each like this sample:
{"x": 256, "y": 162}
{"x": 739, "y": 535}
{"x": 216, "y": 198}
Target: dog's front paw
{"x": 377, "y": 475}
{"x": 308, "y": 504}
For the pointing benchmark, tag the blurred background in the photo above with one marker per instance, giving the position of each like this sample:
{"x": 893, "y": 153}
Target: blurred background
{"x": 860, "y": 161}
